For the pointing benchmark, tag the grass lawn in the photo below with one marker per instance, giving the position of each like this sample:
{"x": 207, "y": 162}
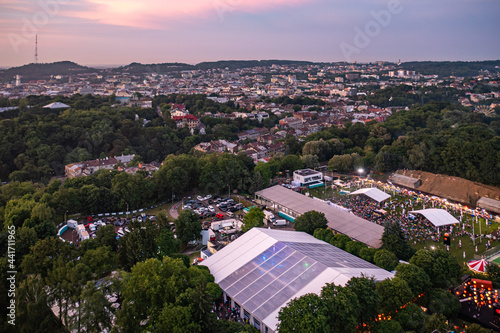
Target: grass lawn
{"x": 163, "y": 208}
{"x": 497, "y": 261}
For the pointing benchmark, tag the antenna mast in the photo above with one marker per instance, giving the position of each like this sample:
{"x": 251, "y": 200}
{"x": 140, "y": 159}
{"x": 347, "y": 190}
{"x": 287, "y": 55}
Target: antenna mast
{"x": 36, "y": 49}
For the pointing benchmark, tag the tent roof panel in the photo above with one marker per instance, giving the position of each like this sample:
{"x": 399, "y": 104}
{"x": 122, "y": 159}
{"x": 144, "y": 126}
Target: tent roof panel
{"x": 289, "y": 265}
{"x": 373, "y": 193}
{"x": 438, "y": 217}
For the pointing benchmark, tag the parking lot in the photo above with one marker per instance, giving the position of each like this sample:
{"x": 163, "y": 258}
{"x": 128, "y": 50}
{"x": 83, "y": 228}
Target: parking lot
{"x": 208, "y": 208}
{"x": 216, "y": 208}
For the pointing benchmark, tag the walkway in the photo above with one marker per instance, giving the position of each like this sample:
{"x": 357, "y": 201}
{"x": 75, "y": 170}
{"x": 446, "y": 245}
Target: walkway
{"x": 173, "y": 210}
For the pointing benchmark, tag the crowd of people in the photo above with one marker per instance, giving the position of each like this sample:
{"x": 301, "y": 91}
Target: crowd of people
{"x": 224, "y": 310}
{"x": 416, "y": 228}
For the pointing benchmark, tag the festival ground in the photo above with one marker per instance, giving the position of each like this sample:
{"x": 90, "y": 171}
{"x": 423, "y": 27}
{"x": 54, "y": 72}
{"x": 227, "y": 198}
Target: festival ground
{"x": 462, "y": 247}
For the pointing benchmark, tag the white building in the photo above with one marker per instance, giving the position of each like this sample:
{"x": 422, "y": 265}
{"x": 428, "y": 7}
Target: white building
{"x": 307, "y": 177}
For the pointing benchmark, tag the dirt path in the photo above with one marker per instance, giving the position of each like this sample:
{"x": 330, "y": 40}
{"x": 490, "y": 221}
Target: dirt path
{"x": 173, "y": 210}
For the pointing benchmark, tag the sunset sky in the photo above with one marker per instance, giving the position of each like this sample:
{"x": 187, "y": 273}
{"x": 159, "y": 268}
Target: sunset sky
{"x": 100, "y": 32}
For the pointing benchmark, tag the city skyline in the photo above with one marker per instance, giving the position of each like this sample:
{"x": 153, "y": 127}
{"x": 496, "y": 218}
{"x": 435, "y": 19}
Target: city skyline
{"x": 94, "y": 32}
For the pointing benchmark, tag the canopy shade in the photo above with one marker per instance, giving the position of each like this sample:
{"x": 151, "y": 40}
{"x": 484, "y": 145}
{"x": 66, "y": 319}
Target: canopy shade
{"x": 438, "y": 217}
{"x": 373, "y": 193}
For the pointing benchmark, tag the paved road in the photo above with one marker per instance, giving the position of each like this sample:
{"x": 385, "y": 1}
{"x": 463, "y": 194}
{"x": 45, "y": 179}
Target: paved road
{"x": 173, "y": 210}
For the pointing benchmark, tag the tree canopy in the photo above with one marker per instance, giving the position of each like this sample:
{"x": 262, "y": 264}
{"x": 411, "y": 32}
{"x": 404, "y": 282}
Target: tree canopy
{"x": 310, "y": 221}
{"x": 254, "y": 218}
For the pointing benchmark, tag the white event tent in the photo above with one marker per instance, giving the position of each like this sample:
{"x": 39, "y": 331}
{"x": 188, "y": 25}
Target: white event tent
{"x": 438, "y": 217}
{"x": 373, "y": 193}
{"x": 262, "y": 270}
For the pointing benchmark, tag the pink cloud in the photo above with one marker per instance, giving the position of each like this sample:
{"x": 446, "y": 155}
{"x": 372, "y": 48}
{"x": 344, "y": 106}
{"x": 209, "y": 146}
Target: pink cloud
{"x": 157, "y": 14}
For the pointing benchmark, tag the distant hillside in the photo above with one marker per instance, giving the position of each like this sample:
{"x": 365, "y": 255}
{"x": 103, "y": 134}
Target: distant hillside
{"x": 137, "y": 68}
{"x": 44, "y": 71}
{"x": 448, "y": 68}
{"x": 237, "y": 64}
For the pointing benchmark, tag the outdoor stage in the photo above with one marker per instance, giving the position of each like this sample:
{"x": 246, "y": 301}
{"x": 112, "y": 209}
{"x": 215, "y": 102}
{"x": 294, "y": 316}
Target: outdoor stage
{"x": 480, "y": 303}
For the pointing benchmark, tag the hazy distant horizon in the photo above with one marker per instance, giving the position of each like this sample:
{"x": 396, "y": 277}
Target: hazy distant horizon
{"x": 123, "y": 31}
{"x": 104, "y": 66}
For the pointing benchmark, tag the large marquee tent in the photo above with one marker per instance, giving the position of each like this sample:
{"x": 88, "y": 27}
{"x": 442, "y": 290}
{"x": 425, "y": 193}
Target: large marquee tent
{"x": 373, "y": 193}
{"x": 264, "y": 269}
{"x": 438, "y": 217}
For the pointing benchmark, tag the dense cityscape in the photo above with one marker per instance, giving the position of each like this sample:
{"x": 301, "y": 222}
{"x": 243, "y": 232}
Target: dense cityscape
{"x": 250, "y": 166}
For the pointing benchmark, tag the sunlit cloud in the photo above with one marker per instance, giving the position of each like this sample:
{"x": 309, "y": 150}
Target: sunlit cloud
{"x": 158, "y": 14}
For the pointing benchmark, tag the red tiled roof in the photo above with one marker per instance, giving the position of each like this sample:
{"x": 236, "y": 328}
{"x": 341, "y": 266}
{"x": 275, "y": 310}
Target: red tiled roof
{"x": 188, "y": 117}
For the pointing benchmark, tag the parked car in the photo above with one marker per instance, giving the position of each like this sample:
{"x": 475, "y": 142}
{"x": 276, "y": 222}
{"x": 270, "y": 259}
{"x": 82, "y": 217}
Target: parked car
{"x": 211, "y": 208}
{"x": 200, "y": 198}
{"x": 230, "y": 214}
{"x": 219, "y": 216}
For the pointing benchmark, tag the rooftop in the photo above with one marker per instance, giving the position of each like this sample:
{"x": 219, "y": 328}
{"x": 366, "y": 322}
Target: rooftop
{"x": 306, "y": 172}
{"x": 346, "y": 223}
{"x": 438, "y": 217}
{"x": 264, "y": 269}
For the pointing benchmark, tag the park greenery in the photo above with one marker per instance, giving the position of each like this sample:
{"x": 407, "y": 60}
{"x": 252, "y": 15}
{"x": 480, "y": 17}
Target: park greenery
{"x": 157, "y": 288}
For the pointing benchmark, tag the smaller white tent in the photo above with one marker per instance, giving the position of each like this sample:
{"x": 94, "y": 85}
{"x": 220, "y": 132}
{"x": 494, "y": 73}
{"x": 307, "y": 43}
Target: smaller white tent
{"x": 56, "y": 105}
{"x": 438, "y": 217}
{"x": 373, "y": 193}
